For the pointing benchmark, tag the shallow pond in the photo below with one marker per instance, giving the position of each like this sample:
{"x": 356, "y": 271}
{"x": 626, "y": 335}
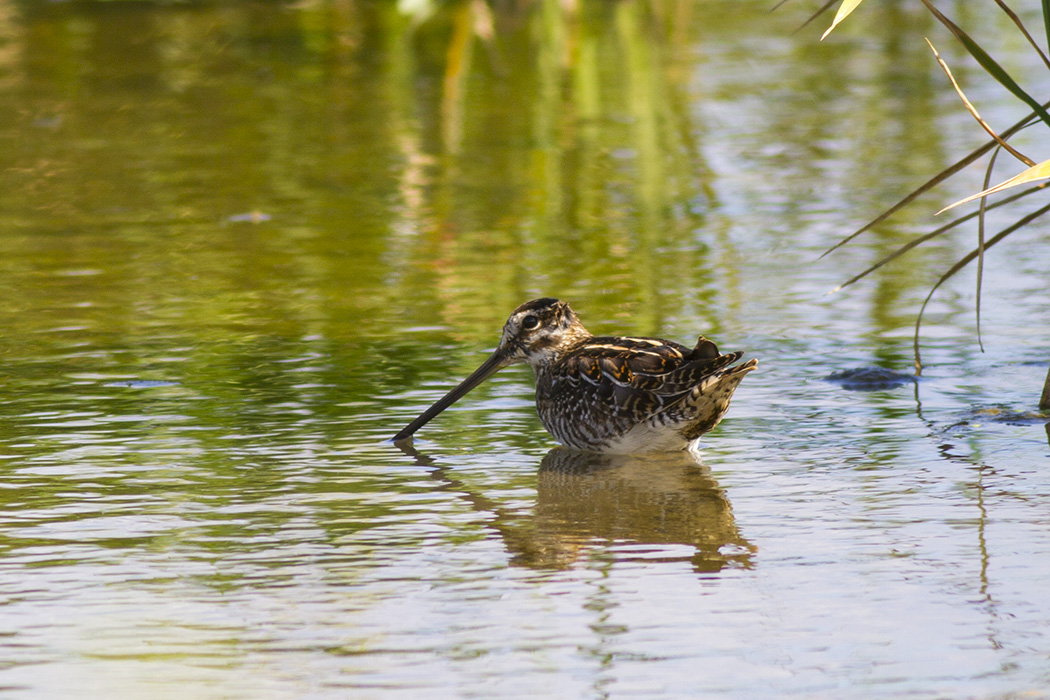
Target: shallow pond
{"x": 244, "y": 243}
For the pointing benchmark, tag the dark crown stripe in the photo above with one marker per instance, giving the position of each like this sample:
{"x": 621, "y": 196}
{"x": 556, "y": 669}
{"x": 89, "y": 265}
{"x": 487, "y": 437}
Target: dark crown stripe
{"x": 537, "y": 304}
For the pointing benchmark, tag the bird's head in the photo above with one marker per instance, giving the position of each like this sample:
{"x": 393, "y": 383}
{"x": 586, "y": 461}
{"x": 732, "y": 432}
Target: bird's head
{"x": 539, "y": 332}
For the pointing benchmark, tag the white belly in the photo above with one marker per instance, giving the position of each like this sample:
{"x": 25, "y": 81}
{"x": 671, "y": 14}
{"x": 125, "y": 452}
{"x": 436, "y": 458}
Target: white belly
{"x": 647, "y": 438}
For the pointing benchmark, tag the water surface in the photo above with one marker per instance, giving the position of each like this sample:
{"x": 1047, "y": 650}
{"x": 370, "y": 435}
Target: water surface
{"x": 244, "y": 243}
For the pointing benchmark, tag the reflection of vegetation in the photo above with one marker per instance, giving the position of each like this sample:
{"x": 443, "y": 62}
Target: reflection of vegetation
{"x": 592, "y": 96}
{"x": 1034, "y": 172}
{"x": 430, "y": 166}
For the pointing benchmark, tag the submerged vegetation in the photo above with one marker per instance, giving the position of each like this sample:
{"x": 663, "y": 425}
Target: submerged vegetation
{"x": 1034, "y": 175}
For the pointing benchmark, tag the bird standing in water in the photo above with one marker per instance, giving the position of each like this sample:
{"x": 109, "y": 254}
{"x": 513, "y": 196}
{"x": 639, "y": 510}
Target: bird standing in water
{"x": 608, "y": 394}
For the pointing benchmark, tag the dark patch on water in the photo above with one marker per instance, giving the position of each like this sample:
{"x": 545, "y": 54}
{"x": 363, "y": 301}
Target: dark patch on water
{"x": 1001, "y": 414}
{"x": 870, "y": 379}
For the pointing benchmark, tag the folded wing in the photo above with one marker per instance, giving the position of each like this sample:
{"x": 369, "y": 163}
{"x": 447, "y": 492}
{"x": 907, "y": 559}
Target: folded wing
{"x": 630, "y": 379}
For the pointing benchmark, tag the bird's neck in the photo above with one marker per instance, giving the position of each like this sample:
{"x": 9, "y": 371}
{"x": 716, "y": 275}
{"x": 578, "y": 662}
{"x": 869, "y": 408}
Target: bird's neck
{"x": 544, "y": 356}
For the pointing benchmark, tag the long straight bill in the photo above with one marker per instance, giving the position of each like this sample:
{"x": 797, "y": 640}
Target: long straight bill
{"x": 486, "y": 370}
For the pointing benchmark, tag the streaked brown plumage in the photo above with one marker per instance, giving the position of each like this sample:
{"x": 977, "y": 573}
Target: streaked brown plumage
{"x": 609, "y": 394}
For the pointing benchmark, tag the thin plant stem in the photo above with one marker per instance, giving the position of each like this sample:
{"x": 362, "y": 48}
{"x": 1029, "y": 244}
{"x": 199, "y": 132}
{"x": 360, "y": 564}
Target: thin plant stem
{"x": 1044, "y": 400}
{"x": 919, "y": 240}
{"x": 963, "y": 262}
{"x": 934, "y": 181}
{"x": 973, "y": 112}
{"x": 1020, "y": 25}
{"x": 980, "y": 243}
{"x": 823, "y": 8}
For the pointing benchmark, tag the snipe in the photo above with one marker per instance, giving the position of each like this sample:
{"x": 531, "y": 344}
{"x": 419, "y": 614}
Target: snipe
{"x": 608, "y": 394}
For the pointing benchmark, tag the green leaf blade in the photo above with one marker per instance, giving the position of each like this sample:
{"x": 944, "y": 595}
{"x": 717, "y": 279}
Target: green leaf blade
{"x": 989, "y": 64}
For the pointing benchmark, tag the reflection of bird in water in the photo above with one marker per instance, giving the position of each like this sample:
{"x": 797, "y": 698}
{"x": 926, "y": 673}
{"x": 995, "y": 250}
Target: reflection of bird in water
{"x": 629, "y": 506}
{"x": 608, "y": 394}
{"x": 665, "y": 499}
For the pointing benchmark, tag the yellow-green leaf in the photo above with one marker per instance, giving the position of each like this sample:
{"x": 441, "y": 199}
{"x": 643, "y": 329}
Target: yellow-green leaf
{"x": 1039, "y": 171}
{"x": 845, "y": 8}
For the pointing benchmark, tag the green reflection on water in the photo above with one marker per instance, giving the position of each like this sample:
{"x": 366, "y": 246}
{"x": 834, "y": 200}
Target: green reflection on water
{"x": 242, "y": 243}
{"x": 407, "y": 172}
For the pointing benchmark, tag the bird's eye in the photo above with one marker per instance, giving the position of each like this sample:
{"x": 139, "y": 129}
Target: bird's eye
{"x": 530, "y": 323}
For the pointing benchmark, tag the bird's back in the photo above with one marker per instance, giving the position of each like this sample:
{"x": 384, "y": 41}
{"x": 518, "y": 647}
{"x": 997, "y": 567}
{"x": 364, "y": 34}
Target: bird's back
{"x": 623, "y": 394}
